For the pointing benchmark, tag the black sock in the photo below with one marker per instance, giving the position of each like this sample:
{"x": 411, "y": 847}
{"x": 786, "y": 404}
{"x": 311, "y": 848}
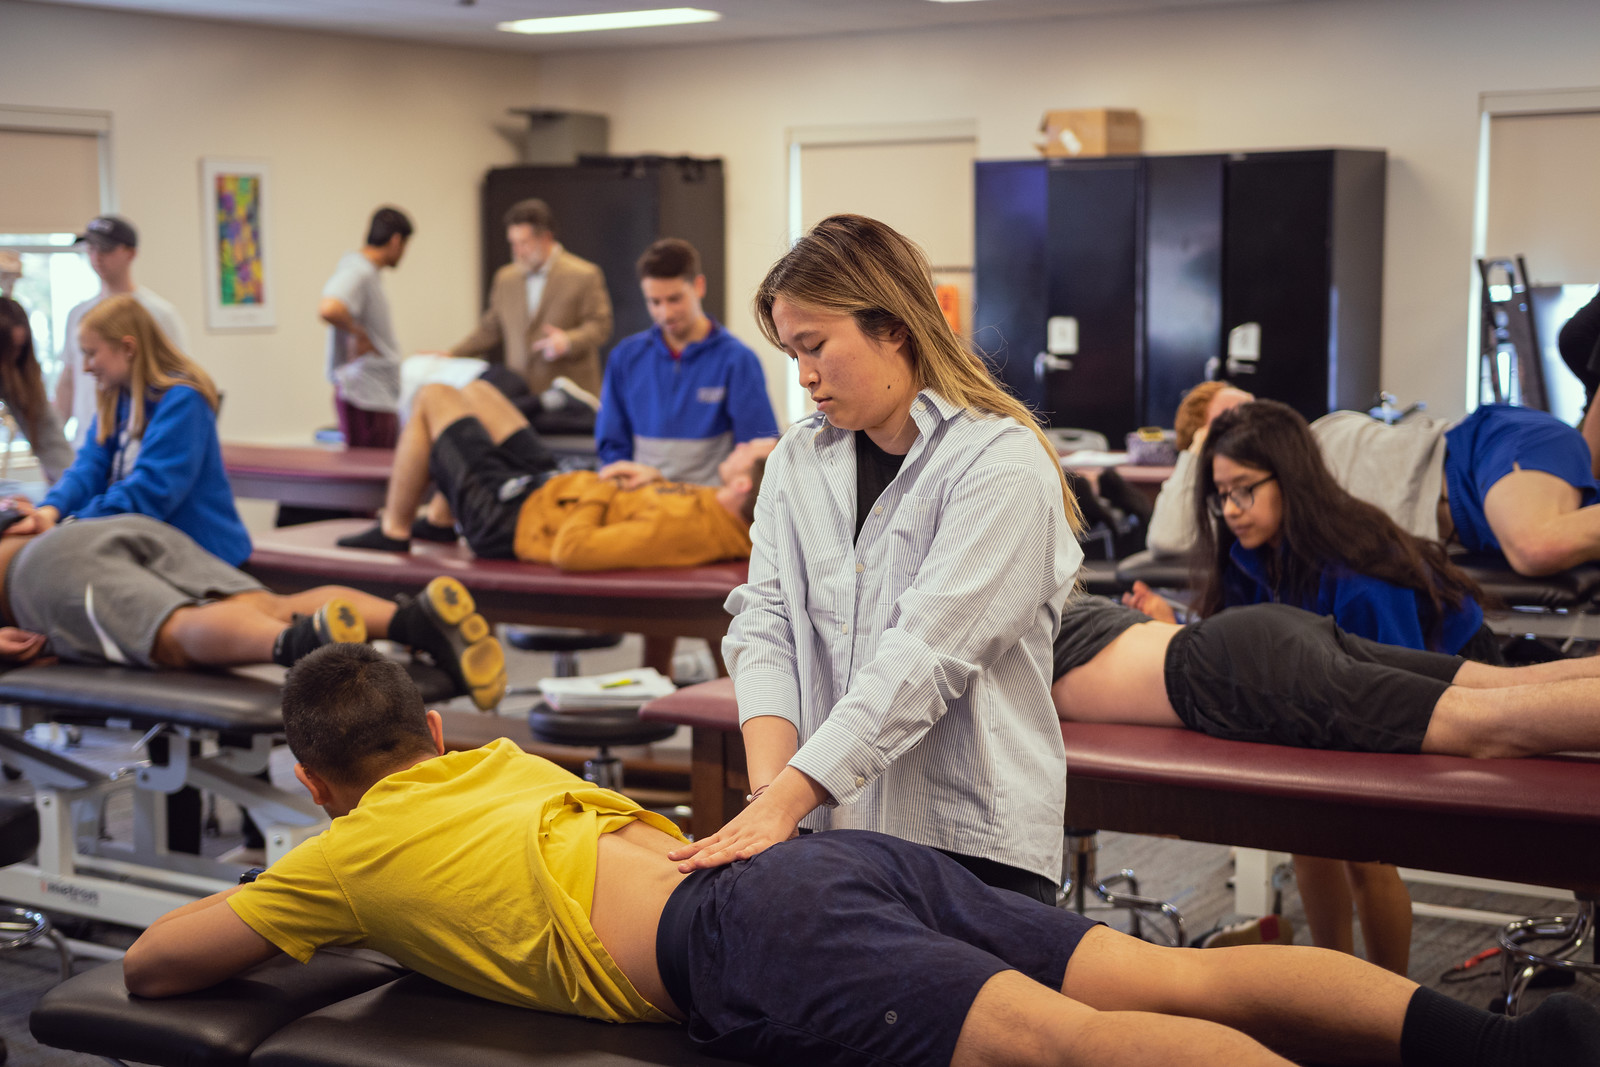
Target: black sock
{"x": 424, "y": 530}
{"x": 410, "y": 625}
{"x": 1440, "y": 1031}
{"x": 376, "y": 538}
{"x": 298, "y": 640}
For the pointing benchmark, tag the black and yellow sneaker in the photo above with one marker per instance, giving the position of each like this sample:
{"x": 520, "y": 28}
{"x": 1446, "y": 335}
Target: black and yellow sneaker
{"x": 443, "y": 622}
{"x": 335, "y": 623}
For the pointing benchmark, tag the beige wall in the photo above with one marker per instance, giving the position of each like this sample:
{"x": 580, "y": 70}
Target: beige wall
{"x": 345, "y": 123}
{"x": 1365, "y": 73}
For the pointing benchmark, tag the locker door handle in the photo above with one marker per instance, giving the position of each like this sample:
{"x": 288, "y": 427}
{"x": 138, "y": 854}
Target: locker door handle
{"x": 1044, "y": 363}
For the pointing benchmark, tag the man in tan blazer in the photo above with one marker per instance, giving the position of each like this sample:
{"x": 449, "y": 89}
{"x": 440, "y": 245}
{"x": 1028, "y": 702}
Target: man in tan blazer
{"x": 547, "y": 306}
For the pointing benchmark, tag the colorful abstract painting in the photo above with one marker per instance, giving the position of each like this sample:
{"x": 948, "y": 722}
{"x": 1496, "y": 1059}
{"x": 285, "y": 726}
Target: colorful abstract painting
{"x": 238, "y": 199}
{"x": 233, "y": 205}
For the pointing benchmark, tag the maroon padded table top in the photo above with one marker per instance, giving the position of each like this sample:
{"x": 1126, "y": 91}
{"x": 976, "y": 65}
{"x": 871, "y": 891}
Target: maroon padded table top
{"x": 664, "y": 601}
{"x": 1530, "y": 820}
{"x": 348, "y": 478}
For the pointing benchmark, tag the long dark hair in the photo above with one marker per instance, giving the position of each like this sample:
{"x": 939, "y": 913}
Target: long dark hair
{"x": 1322, "y": 523}
{"x": 21, "y": 385}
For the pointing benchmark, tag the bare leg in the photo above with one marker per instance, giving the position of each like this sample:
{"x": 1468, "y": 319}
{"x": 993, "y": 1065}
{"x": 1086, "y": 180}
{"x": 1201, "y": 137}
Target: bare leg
{"x": 436, "y": 407}
{"x": 1303, "y": 1003}
{"x": 244, "y": 628}
{"x": 1325, "y": 895}
{"x": 1384, "y": 906}
{"x": 1015, "y": 1020}
{"x": 439, "y": 511}
{"x": 1537, "y": 520}
{"x": 1475, "y": 675}
{"x": 1522, "y": 720}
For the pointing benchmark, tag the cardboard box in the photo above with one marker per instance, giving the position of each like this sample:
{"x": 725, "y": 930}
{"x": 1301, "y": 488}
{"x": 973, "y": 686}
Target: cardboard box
{"x": 1096, "y": 131}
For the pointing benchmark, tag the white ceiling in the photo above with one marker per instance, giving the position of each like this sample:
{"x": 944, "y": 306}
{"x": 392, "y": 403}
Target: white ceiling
{"x": 473, "y": 23}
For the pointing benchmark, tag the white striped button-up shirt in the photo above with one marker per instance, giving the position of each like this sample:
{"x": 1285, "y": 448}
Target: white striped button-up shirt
{"x": 915, "y": 663}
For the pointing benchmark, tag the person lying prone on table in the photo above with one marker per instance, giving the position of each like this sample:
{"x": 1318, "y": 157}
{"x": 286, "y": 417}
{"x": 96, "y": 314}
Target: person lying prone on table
{"x": 1277, "y": 674}
{"x": 845, "y": 947}
{"x": 505, "y": 489}
{"x": 132, "y": 591}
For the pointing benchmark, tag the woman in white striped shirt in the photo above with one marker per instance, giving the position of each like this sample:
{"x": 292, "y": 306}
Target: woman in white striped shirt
{"x": 913, "y": 546}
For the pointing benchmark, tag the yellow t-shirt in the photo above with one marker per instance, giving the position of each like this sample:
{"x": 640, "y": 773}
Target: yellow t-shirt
{"x": 475, "y": 868}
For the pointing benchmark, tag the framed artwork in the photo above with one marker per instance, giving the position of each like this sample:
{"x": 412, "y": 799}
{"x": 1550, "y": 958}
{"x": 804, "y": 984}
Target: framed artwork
{"x": 233, "y": 199}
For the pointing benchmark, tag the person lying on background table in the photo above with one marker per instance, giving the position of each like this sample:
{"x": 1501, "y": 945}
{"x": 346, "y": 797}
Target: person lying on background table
{"x": 505, "y": 490}
{"x": 131, "y": 591}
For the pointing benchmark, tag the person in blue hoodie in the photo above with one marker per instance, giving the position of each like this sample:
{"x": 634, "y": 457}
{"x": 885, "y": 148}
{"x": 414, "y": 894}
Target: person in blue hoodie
{"x": 152, "y": 448}
{"x": 1275, "y": 527}
{"x": 679, "y": 396}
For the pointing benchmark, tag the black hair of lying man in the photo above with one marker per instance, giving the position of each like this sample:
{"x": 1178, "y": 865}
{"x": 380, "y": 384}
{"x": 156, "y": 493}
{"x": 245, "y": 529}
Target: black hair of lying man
{"x": 886, "y": 952}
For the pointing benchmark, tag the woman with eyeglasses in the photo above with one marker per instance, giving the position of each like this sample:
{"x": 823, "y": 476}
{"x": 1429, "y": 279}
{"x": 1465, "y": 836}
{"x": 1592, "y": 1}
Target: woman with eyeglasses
{"x": 1275, "y": 527}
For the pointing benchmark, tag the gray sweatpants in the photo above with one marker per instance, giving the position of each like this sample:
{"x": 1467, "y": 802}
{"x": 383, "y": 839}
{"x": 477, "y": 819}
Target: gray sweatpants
{"x": 100, "y": 589}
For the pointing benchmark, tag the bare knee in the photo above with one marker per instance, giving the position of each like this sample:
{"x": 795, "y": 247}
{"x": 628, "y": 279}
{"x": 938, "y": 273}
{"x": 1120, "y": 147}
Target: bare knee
{"x": 168, "y": 651}
{"x": 1473, "y": 723}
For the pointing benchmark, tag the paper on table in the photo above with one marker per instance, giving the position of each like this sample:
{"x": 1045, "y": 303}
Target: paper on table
{"x": 599, "y": 692}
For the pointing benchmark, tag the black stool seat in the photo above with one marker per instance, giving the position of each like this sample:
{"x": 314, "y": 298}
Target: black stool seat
{"x": 558, "y": 639}
{"x": 19, "y": 830}
{"x": 595, "y": 728}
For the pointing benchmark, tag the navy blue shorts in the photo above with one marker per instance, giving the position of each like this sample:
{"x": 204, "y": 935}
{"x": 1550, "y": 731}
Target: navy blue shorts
{"x": 848, "y": 947}
{"x": 1497, "y": 439}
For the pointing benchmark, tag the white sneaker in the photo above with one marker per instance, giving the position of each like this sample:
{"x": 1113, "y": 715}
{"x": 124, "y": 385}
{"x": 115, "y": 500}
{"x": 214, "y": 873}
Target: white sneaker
{"x": 576, "y": 392}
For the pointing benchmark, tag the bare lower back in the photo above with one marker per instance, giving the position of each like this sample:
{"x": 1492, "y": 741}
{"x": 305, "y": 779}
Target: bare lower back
{"x": 1124, "y": 683}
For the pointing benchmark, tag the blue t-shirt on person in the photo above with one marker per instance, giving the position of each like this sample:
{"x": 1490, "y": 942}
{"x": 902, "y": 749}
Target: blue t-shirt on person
{"x": 682, "y": 415}
{"x": 1497, "y": 439}
{"x": 173, "y": 473}
{"x": 1359, "y": 603}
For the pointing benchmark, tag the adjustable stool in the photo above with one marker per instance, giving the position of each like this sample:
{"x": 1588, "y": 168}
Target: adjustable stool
{"x": 1519, "y": 964}
{"x": 1082, "y": 881}
{"x": 597, "y": 729}
{"x": 19, "y": 837}
{"x": 565, "y": 643}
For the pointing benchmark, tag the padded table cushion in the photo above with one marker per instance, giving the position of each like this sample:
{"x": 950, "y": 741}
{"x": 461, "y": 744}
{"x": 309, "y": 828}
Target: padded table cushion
{"x": 418, "y": 1021}
{"x": 226, "y": 701}
{"x": 1575, "y": 588}
{"x": 709, "y": 704}
{"x": 93, "y": 1012}
{"x": 1523, "y": 819}
{"x": 1158, "y": 572}
{"x": 309, "y": 551}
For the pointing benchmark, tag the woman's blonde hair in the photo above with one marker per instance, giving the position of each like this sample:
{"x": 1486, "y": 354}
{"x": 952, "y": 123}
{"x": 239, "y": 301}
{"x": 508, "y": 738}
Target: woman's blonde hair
{"x": 156, "y": 365}
{"x": 856, "y": 266}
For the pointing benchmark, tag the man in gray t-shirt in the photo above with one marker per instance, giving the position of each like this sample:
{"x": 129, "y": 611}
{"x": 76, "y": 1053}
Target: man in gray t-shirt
{"x": 363, "y": 355}
{"x": 112, "y": 243}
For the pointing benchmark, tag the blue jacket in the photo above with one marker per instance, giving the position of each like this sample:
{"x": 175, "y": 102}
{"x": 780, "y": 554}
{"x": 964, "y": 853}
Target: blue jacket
{"x": 682, "y": 415}
{"x": 175, "y": 474}
{"x": 1359, "y": 603}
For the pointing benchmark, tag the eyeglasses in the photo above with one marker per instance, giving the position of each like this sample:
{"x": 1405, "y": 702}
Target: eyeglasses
{"x": 1242, "y": 498}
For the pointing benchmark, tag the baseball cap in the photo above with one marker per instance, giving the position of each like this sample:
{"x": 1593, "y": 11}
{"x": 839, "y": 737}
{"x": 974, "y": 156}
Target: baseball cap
{"x": 109, "y": 230}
